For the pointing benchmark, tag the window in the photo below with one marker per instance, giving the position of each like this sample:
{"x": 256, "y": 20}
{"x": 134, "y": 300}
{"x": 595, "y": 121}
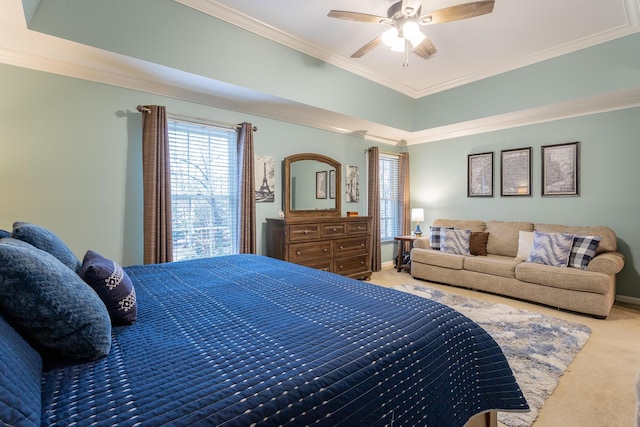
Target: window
{"x": 204, "y": 190}
{"x": 390, "y": 203}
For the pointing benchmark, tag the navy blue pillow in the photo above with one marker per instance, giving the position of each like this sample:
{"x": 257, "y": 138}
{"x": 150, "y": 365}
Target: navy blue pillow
{"x": 46, "y": 240}
{"x": 21, "y": 367}
{"x": 113, "y": 285}
{"x": 50, "y": 305}
{"x": 4, "y": 233}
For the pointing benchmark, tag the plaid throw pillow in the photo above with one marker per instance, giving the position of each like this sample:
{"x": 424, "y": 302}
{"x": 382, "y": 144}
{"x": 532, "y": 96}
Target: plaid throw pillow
{"x": 583, "y": 251}
{"x": 435, "y": 236}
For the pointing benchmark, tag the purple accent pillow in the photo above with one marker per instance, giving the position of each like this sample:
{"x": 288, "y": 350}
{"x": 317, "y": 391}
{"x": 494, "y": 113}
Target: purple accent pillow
{"x": 113, "y": 285}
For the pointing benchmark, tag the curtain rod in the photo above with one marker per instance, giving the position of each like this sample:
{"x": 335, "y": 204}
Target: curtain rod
{"x": 144, "y": 109}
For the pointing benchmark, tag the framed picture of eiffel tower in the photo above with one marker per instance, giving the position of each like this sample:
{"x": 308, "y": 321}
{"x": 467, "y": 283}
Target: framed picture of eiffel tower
{"x": 265, "y": 179}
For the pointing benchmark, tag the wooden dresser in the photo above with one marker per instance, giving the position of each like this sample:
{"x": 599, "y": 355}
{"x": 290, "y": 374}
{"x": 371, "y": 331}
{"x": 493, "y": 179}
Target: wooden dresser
{"x": 338, "y": 244}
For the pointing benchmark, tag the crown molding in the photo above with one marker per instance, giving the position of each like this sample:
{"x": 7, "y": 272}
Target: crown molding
{"x": 32, "y": 50}
{"x": 232, "y": 16}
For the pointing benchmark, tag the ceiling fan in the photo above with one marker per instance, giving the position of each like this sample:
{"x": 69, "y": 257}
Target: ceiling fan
{"x": 405, "y": 18}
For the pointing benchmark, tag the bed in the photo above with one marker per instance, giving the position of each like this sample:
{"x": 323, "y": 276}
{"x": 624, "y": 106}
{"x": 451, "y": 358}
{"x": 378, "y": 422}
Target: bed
{"x": 249, "y": 340}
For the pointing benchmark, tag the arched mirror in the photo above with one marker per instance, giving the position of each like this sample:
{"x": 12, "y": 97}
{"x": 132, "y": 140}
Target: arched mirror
{"x": 312, "y": 185}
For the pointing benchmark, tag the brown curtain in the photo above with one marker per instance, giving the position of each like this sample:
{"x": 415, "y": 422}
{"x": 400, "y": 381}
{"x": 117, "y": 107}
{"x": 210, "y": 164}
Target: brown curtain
{"x": 373, "y": 208}
{"x": 156, "y": 183}
{"x": 405, "y": 199}
{"x": 247, "y": 196}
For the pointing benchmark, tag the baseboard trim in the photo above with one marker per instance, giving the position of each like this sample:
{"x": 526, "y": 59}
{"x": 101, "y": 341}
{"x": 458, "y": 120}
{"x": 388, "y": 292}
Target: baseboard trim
{"x": 388, "y": 264}
{"x": 628, "y": 300}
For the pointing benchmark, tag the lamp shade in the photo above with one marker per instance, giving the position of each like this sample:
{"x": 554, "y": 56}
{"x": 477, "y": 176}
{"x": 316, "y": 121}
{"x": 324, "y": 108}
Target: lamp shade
{"x": 417, "y": 214}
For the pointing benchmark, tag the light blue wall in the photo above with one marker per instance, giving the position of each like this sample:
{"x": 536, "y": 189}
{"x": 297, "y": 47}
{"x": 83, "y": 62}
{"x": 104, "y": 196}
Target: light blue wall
{"x": 168, "y": 33}
{"x": 608, "y": 67}
{"x": 71, "y": 153}
{"x": 609, "y": 176}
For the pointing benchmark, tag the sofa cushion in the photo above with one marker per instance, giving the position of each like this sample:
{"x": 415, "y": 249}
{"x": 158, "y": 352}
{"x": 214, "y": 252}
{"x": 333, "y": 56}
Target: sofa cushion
{"x": 437, "y": 258}
{"x": 462, "y": 224}
{"x": 582, "y": 251}
{"x": 496, "y": 265}
{"x": 551, "y": 248}
{"x": 525, "y": 243}
{"x": 21, "y": 365}
{"x": 478, "y": 243}
{"x": 504, "y": 235}
{"x": 563, "y": 278}
{"x": 608, "y": 243}
{"x": 455, "y": 241}
{"x": 50, "y": 305}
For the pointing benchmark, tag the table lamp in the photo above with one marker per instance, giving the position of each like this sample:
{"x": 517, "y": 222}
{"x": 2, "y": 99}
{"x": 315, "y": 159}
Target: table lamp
{"x": 417, "y": 215}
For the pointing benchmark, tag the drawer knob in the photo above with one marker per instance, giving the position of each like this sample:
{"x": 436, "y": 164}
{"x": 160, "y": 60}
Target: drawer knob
{"x": 334, "y": 229}
{"x": 341, "y": 267}
{"x": 341, "y": 247}
{"x": 305, "y": 232}
{"x": 361, "y": 262}
{"x": 298, "y": 253}
{"x": 324, "y": 250}
{"x": 361, "y": 244}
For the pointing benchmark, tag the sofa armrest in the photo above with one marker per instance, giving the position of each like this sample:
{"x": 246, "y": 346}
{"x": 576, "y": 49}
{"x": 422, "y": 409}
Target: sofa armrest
{"x": 422, "y": 243}
{"x": 607, "y": 263}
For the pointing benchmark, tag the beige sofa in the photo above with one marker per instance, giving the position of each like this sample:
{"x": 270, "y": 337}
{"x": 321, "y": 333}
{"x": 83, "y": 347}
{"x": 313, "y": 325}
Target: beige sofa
{"x": 591, "y": 291}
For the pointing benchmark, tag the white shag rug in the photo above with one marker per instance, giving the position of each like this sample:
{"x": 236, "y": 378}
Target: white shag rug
{"x": 539, "y": 348}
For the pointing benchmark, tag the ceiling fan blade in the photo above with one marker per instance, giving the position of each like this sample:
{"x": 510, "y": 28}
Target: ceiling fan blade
{"x": 425, "y": 49}
{"x": 410, "y": 7}
{"x": 367, "y": 47}
{"x": 455, "y": 13}
{"x": 356, "y": 16}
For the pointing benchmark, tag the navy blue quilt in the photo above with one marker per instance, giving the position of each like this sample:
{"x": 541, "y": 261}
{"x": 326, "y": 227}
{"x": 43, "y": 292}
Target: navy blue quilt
{"x": 249, "y": 340}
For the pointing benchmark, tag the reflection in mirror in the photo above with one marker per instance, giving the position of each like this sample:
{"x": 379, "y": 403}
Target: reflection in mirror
{"x": 311, "y": 185}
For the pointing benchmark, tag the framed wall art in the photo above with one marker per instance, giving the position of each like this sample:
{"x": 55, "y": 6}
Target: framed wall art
{"x": 332, "y": 184}
{"x": 321, "y": 185}
{"x": 515, "y": 177}
{"x": 352, "y": 185}
{"x": 561, "y": 169}
{"x": 480, "y": 175}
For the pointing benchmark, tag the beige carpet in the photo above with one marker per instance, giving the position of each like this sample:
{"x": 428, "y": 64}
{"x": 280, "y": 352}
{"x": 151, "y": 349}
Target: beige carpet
{"x": 598, "y": 389}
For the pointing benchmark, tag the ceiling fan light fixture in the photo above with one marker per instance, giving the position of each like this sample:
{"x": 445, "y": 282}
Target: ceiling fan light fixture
{"x": 392, "y": 38}
{"x": 411, "y": 31}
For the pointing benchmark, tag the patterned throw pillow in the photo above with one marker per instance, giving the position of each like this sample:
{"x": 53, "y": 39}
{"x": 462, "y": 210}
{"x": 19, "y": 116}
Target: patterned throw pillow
{"x": 551, "y": 248}
{"x": 113, "y": 285}
{"x": 583, "y": 250}
{"x": 49, "y": 305}
{"x": 435, "y": 236}
{"x": 478, "y": 243}
{"x": 455, "y": 241}
{"x": 47, "y": 241}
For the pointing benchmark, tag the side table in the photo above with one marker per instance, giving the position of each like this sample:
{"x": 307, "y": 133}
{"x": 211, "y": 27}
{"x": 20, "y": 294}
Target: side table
{"x": 402, "y": 241}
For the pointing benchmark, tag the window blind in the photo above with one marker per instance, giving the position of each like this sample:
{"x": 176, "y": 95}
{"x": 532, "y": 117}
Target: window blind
{"x": 389, "y": 196}
{"x": 204, "y": 190}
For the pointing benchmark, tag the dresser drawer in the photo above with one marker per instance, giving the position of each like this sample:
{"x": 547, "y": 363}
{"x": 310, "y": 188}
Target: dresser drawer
{"x": 324, "y": 264}
{"x": 334, "y": 229}
{"x": 358, "y": 227}
{"x": 310, "y": 251}
{"x": 301, "y": 232}
{"x": 351, "y": 265}
{"x": 351, "y": 246}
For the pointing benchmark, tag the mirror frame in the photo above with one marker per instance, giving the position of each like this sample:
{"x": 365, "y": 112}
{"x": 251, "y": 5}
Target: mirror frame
{"x": 292, "y": 213}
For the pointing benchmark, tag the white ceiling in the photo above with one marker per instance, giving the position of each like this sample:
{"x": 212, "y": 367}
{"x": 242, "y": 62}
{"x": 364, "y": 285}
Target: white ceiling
{"x": 517, "y": 33}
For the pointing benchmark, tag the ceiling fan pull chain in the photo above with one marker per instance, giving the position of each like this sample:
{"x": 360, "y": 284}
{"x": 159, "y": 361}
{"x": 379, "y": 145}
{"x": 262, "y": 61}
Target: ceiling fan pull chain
{"x": 405, "y": 60}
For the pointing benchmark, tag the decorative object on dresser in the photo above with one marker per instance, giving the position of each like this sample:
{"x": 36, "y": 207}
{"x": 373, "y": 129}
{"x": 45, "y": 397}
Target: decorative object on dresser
{"x": 338, "y": 244}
